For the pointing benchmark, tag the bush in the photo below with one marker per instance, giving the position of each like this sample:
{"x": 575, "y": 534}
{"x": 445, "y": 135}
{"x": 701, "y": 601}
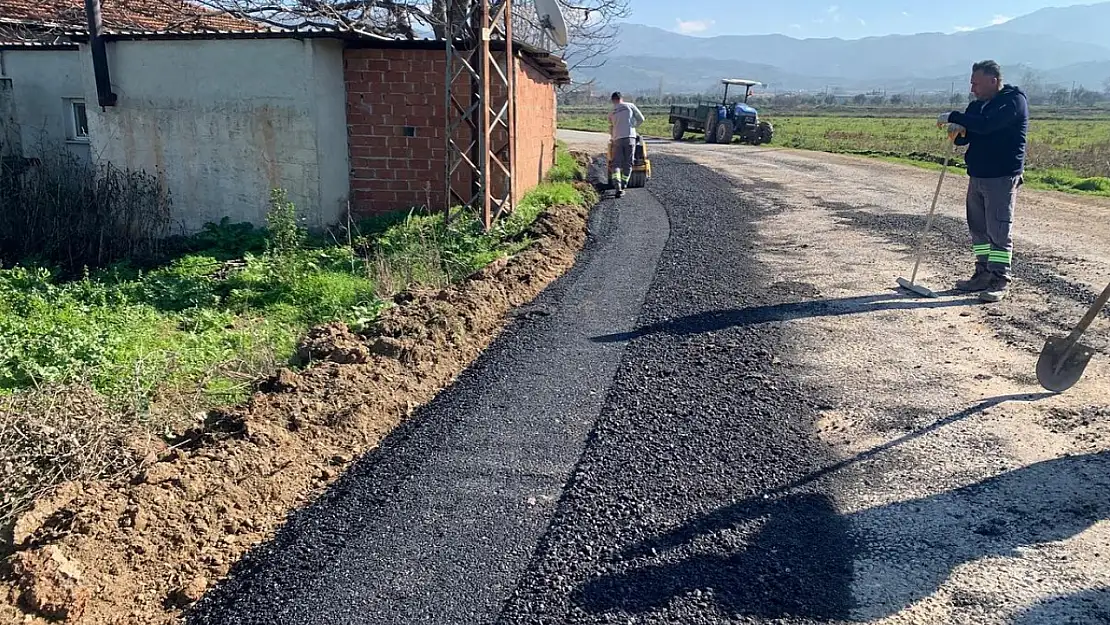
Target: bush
{"x": 64, "y": 212}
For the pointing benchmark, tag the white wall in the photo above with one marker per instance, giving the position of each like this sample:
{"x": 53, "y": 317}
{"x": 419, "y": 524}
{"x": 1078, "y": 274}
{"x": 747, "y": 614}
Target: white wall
{"x": 41, "y": 82}
{"x": 226, "y": 121}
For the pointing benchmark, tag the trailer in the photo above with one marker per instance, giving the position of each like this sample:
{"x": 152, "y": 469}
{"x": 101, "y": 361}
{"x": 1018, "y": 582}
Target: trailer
{"x": 722, "y": 121}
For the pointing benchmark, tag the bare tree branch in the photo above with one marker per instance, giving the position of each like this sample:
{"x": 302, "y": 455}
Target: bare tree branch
{"x": 591, "y": 24}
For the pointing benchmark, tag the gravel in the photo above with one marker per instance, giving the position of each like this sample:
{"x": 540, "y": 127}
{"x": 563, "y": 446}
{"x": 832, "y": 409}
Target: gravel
{"x": 674, "y": 514}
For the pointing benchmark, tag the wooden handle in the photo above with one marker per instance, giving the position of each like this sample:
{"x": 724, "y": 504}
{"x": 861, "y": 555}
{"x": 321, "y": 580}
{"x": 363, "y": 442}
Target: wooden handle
{"x": 1085, "y": 323}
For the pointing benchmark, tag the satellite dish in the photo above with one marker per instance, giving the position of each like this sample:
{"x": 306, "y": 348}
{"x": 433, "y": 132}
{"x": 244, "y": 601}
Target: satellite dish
{"x": 551, "y": 21}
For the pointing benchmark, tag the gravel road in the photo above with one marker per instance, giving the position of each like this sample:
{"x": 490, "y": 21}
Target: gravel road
{"x": 727, "y": 414}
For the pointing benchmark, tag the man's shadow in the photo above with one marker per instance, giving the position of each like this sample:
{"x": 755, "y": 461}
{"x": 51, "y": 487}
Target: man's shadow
{"x": 794, "y": 555}
{"x": 1086, "y": 607}
{"x": 717, "y": 320}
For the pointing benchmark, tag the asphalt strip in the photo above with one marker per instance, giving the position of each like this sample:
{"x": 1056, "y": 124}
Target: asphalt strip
{"x": 438, "y": 524}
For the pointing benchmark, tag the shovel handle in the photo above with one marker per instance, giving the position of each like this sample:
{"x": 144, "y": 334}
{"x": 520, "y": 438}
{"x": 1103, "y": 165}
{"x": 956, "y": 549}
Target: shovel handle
{"x": 929, "y": 219}
{"x": 1088, "y": 318}
{"x": 928, "y": 222}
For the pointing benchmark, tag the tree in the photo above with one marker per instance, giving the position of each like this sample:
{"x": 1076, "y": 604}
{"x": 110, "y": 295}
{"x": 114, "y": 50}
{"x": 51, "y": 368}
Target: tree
{"x": 1033, "y": 84}
{"x": 591, "y": 24}
{"x": 860, "y": 98}
{"x": 1106, "y": 86}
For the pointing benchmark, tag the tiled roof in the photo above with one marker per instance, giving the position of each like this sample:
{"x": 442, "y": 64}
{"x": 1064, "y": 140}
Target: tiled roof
{"x": 121, "y": 14}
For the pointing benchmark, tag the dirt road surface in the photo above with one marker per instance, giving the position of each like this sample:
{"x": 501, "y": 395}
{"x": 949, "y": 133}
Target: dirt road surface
{"x": 757, "y": 429}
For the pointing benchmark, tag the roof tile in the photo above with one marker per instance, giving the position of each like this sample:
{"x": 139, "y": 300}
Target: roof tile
{"x": 123, "y": 14}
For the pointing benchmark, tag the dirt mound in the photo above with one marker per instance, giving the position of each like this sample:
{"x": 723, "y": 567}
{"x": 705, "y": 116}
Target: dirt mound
{"x": 138, "y": 550}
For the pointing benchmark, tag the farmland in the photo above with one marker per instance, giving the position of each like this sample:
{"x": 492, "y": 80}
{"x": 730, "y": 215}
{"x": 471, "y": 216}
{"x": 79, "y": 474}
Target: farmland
{"x": 1066, "y": 153}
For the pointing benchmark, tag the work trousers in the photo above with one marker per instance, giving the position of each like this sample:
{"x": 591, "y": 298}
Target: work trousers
{"x": 624, "y": 150}
{"x": 990, "y": 218}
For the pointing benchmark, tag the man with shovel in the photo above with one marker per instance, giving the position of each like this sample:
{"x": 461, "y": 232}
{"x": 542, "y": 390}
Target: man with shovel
{"x": 996, "y": 125}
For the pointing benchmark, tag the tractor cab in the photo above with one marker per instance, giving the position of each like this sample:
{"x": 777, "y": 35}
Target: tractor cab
{"x": 747, "y": 84}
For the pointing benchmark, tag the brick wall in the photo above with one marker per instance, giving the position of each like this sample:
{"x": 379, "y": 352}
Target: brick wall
{"x": 535, "y": 136}
{"x": 396, "y": 121}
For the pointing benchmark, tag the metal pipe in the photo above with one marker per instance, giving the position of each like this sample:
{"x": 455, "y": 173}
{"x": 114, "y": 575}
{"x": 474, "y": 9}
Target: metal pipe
{"x": 104, "y": 93}
{"x": 510, "y": 72}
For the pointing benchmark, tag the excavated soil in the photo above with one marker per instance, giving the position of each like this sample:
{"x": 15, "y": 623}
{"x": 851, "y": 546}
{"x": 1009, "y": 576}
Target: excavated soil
{"x": 141, "y": 549}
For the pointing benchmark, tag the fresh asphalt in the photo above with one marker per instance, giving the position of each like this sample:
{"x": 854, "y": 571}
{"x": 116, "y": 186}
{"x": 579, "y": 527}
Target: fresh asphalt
{"x": 631, "y": 450}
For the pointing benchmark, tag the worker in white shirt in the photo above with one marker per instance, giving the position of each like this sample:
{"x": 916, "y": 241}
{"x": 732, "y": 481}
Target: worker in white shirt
{"x": 623, "y": 120}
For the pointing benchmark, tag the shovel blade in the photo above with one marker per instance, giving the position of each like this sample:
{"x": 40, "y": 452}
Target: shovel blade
{"x": 1059, "y": 367}
{"x": 916, "y": 288}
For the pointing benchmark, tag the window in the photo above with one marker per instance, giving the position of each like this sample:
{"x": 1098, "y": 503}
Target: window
{"x": 78, "y": 120}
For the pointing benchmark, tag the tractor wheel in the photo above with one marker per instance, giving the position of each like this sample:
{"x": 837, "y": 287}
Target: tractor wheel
{"x": 766, "y": 132}
{"x": 711, "y": 127}
{"x": 637, "y": 180}
{"x": 678, "y": 129}
{"x": 724, "y": 131}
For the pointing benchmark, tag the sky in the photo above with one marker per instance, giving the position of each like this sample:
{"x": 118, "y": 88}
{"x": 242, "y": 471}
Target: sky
{"x": 847, "y": 19}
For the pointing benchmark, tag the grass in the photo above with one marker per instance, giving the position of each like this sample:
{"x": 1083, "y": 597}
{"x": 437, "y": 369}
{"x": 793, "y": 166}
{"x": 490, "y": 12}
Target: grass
{"x": 1071, "y": 155}
{"x": 223, "y": 314}
{"x": 125, "y": 353}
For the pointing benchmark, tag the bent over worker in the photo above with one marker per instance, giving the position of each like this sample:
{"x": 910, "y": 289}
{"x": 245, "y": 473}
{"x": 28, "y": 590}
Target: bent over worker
{"x": 996, "y": 125}
{"x": 623, "y": 120}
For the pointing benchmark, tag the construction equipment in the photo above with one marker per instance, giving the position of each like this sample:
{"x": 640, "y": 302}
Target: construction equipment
{"x": 641, "y": 164}
{"x": 722, "y": 121}
{"x": 911, "y": 284}
{"x": 1063, "y": 359}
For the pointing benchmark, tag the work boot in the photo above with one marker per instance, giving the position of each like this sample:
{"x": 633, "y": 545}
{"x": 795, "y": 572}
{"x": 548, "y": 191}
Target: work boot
{"x": 977, "y": 282}
{"x": 996, "y": 291}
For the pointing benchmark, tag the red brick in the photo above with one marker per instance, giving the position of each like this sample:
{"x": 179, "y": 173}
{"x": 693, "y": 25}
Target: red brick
{"x": 361, "y": 130}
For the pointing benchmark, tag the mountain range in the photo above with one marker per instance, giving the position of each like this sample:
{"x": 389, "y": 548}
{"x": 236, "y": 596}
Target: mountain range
{"x": 1062, "y": 45}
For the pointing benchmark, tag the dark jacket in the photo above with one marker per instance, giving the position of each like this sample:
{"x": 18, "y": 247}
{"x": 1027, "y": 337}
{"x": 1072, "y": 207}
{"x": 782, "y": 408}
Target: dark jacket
{"x": 996, "y": 134}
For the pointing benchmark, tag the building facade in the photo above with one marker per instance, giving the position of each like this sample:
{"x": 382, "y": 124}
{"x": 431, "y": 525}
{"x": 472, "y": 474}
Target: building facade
{"x": 340, "y": 121}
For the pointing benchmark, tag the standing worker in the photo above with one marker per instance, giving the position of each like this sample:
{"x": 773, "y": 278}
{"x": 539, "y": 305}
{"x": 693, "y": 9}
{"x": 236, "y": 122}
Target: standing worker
{"x": 996, "y": 125}
{"x": 623, "y": 120}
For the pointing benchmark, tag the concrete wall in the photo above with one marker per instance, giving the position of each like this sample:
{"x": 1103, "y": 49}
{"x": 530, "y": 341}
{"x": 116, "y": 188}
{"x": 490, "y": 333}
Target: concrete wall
{"x": 41, "y": 80}
{"x": 225, "y": 121}
{"x": 390, "y": 92}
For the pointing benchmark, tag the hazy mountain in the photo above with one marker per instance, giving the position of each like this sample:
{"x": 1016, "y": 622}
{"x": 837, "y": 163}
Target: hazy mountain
{"x": 1092, "y": 74}
{"x": 1086, "y": 23}
{"x": 1045, "y": 40}
{"x": 671, "y": 75}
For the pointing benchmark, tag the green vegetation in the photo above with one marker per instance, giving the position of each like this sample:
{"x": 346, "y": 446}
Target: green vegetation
{"x": 223, "y": 313}
{"x": 1071, "y": 155}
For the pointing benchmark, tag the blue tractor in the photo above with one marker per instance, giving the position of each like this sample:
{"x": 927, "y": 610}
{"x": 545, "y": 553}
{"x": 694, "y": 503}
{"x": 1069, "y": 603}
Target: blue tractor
{"x": 722, "y": 121}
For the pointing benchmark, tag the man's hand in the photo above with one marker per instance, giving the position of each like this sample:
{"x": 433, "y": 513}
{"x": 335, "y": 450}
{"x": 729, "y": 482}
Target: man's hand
{"x": 942, "y": 119}
{"x": 956, "y": 129}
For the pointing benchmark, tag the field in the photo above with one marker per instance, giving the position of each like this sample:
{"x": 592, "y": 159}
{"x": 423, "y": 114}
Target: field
{"x": 1065, "y": 153}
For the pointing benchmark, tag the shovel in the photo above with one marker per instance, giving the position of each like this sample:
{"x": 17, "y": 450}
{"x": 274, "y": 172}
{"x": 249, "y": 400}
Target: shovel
{"x": 1064, "y": 359}
{"x": 911, "y": 284}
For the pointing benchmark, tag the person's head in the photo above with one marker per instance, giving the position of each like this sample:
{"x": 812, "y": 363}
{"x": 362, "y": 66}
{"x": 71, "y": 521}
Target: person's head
{"x": 986, "y": 79}
{"x": 616, "y": 97}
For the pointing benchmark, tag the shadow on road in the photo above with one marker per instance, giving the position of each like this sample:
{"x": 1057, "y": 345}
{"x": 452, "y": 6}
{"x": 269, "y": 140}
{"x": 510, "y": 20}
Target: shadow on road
{"x": 797, "y": 561}
{"x": 1081, "y": 608}
{"x": 986, "y": 404}
{"x": 780, "y": 555}
{"x": 717, "y": 320}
